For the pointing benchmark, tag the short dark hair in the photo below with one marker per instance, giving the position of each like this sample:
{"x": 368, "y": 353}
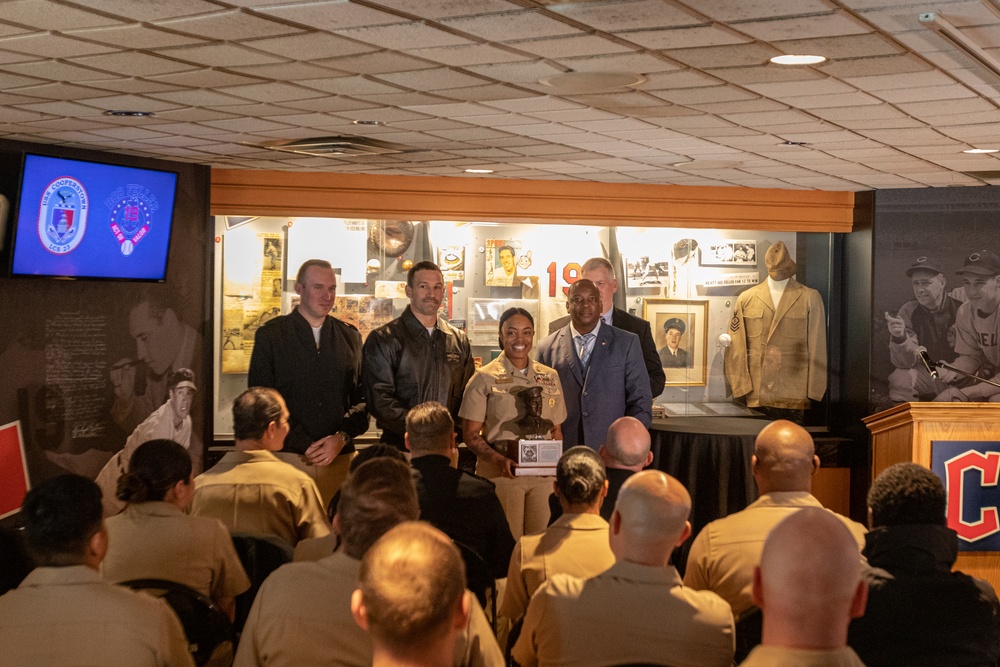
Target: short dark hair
{"x": 60, "y": 516}
{"x": 425, "y": 265}
{"x": 506, "y": 247}
{"x": 253, "y": 410}
{"x": 411, "y": 581}
{"x": 580, "y": 475}
{"x": 378, "y": 495}
{"x": 155, "y": 467}
{"x": 429, "y": 426}
{"x": 301, "y": 275}
{"x": 907, "y": 493}
{"x": 509, "y": 313}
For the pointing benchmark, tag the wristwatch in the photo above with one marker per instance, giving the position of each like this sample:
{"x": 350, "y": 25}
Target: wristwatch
{"x": 346, "y": 438}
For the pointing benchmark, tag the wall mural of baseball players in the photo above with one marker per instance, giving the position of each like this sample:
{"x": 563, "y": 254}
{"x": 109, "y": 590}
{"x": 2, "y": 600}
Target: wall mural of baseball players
{"x": 937, "y": 296}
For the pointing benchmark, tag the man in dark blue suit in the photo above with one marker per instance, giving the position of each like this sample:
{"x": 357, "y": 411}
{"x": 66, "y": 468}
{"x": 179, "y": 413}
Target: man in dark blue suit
{"x": 600, "y": 367}
{"x": 602, "y": 273}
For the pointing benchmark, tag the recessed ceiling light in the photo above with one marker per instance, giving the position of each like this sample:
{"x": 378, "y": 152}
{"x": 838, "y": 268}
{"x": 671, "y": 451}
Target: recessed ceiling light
{"x": 797, "y": 60}
{"x": 368, "y": 122}
{"x": 976, "y": 151}
{"x": 479, "y": 171}
{"x": 128, "y": 114}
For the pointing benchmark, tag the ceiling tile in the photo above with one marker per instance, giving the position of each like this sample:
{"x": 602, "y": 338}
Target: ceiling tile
{"x": 135, "y": 36}
{"x": 519, "y": 72}
{"x": 729, "y": 11}
{"x": 683, "y": 38}
{"x": 951, "y": 92}
{"x": 318, "y": 45}
{"x": 203, "y": 78}
{"x": 619, "y": 62}
{"x": 232, "y": 24}
{"x": 290, "y": 71}
{"x": 199, "y": 98}
{"x": 220, "y": 54}
{"x": 486, "y": 93}
{"x": 855, "y": 99}
{"x": 402, "y": 37}
{"x": 131, "y": 63}
{"x": 32, "y": 12}
{"x": 272, "y": 92}
{"x": 432, "y": 79}
{"x": 832, "y": 24}
{"x": 871, "y": 67}
{"x": 468, "y": 54}
{"x": 332, "y": 15}
{"x": 866, "y": 45}
{"x": 509, "y": 26}
{"x": 52, "y": 45}
{"x": 437, "y": 9}
{"x": 377, "y": 62}
{"x": 629, "y": 15}
{"x": 723, "y": 56}
{"x": 567, "y": 47}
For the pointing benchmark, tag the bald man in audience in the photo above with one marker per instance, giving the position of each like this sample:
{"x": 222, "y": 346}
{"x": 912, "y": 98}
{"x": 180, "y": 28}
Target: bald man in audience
{"x": 725, "y": 552}
{"x": 411, "y": 597}
{"x": 809, "y": 587}
{"x": 625, "y": 452}
{"x": 302, "y": 613}
{"x": 576, "y": 543}
{"x": 638, "y": 611}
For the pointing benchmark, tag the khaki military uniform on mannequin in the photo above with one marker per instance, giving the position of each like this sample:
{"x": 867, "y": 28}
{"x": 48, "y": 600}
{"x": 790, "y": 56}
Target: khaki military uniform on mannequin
{"x": 778, "y": 357}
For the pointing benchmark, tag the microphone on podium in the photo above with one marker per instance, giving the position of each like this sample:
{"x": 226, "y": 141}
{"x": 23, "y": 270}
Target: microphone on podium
{"x": 928, "y": 364}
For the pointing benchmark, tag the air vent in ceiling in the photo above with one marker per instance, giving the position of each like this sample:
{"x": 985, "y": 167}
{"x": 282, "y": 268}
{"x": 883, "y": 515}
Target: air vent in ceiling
{"x": 993, "y": 175}
{"x": 336, "y": 146}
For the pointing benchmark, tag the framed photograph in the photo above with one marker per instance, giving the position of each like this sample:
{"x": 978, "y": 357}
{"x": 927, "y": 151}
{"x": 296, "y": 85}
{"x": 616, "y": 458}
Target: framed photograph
{"x": 646, "y": 271}
{"x": 484, "y": 318}
{"x": 680, "y": 331}
{"x": 729, "y": 253}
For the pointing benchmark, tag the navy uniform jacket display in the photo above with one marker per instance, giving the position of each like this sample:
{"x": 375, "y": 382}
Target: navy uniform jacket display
{"x": 466, "y": 509}
{"x": 405, "y": 366}
{"x": 640, "y": 327}
{"x": 321, "y": 386}
{"x": 796, "y": 326}
{"x": 615, "y": 383}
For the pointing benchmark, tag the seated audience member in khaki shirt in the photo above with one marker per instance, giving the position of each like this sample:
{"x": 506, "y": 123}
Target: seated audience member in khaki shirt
{"x": 154, "y": 539}
{"x": 576, "y": 543}
{"x": 808, "y": 586}
{"x": 252, "y": 491}
{"x": 302, "y": 613}
{"x": 637, "y": 612}
{"x": 414, "y": 573}
{"x": 725, "y": 552}
{"x": 63, "y": 614}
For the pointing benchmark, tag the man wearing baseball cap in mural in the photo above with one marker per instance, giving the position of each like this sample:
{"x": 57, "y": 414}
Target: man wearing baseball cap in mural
{"x": 976, "y": 331}
{"x": 925, "y": 321}
{"x": 672, "y": 355}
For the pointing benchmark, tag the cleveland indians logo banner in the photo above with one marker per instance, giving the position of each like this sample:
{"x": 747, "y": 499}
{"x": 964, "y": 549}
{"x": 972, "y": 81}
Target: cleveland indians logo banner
{"x": 970, "y": 471}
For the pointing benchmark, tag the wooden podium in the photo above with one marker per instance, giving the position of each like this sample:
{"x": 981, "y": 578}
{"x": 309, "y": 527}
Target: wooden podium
{"x": 905, "y": 433}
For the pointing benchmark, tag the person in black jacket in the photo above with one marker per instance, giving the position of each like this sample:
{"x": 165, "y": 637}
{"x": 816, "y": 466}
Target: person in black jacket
{"x": 920, "y": 612}
{"x": 314, "y": 361}
{"x": 601, "y": 273}
{"x": 462, "y": 505}
{"x": 417, "y": 357}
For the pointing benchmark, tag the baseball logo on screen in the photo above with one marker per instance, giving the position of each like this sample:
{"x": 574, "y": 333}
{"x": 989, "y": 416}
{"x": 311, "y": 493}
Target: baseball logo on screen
{"x": 62, "y": 218}
{"x": 131, "y": 215}
{"x": 970, "y": 471}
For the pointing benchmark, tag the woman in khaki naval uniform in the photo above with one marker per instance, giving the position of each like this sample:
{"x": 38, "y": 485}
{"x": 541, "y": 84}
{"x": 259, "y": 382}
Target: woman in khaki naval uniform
{"x": 154, "y": 539}
{"x": 501, "y": 406}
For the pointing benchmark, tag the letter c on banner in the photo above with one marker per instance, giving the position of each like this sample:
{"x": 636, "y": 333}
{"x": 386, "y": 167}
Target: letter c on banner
{"x": 988, "y": 466}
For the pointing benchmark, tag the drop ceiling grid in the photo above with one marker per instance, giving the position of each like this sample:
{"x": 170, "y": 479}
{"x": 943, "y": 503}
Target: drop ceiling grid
{"x": 760, "y": 106}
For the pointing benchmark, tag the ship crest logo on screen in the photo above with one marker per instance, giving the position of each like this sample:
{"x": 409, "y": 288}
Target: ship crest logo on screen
{"x": 62, "y": 219}
{"x": 132, "y": 210}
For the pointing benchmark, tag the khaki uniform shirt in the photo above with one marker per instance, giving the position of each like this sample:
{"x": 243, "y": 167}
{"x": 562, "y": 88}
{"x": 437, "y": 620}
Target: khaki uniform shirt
{"x": 574, "y": 544}
{"x": 726, "y": 551}
{"x": 62, "y": 616}
{"x": 302, "y": 616}
{"x": 796, "y": 326}
{"x": 254, "y": 492}
{"x": 776, "y": 656}
{"x": 156, "y": 540}
{"x": 630, "y": 614}
{"x": 491, "y": 397}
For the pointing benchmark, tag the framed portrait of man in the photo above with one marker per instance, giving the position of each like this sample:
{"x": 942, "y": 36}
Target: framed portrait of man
{"x": 680, "y": 332}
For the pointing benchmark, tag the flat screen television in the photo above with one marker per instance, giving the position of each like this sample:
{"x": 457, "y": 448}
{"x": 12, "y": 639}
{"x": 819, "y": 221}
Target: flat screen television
{"x": 83, "y": 219}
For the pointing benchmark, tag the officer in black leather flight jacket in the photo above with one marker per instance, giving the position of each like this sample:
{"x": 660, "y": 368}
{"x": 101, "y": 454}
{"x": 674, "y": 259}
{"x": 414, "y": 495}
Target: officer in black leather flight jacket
{"x": 417, "y": 357}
